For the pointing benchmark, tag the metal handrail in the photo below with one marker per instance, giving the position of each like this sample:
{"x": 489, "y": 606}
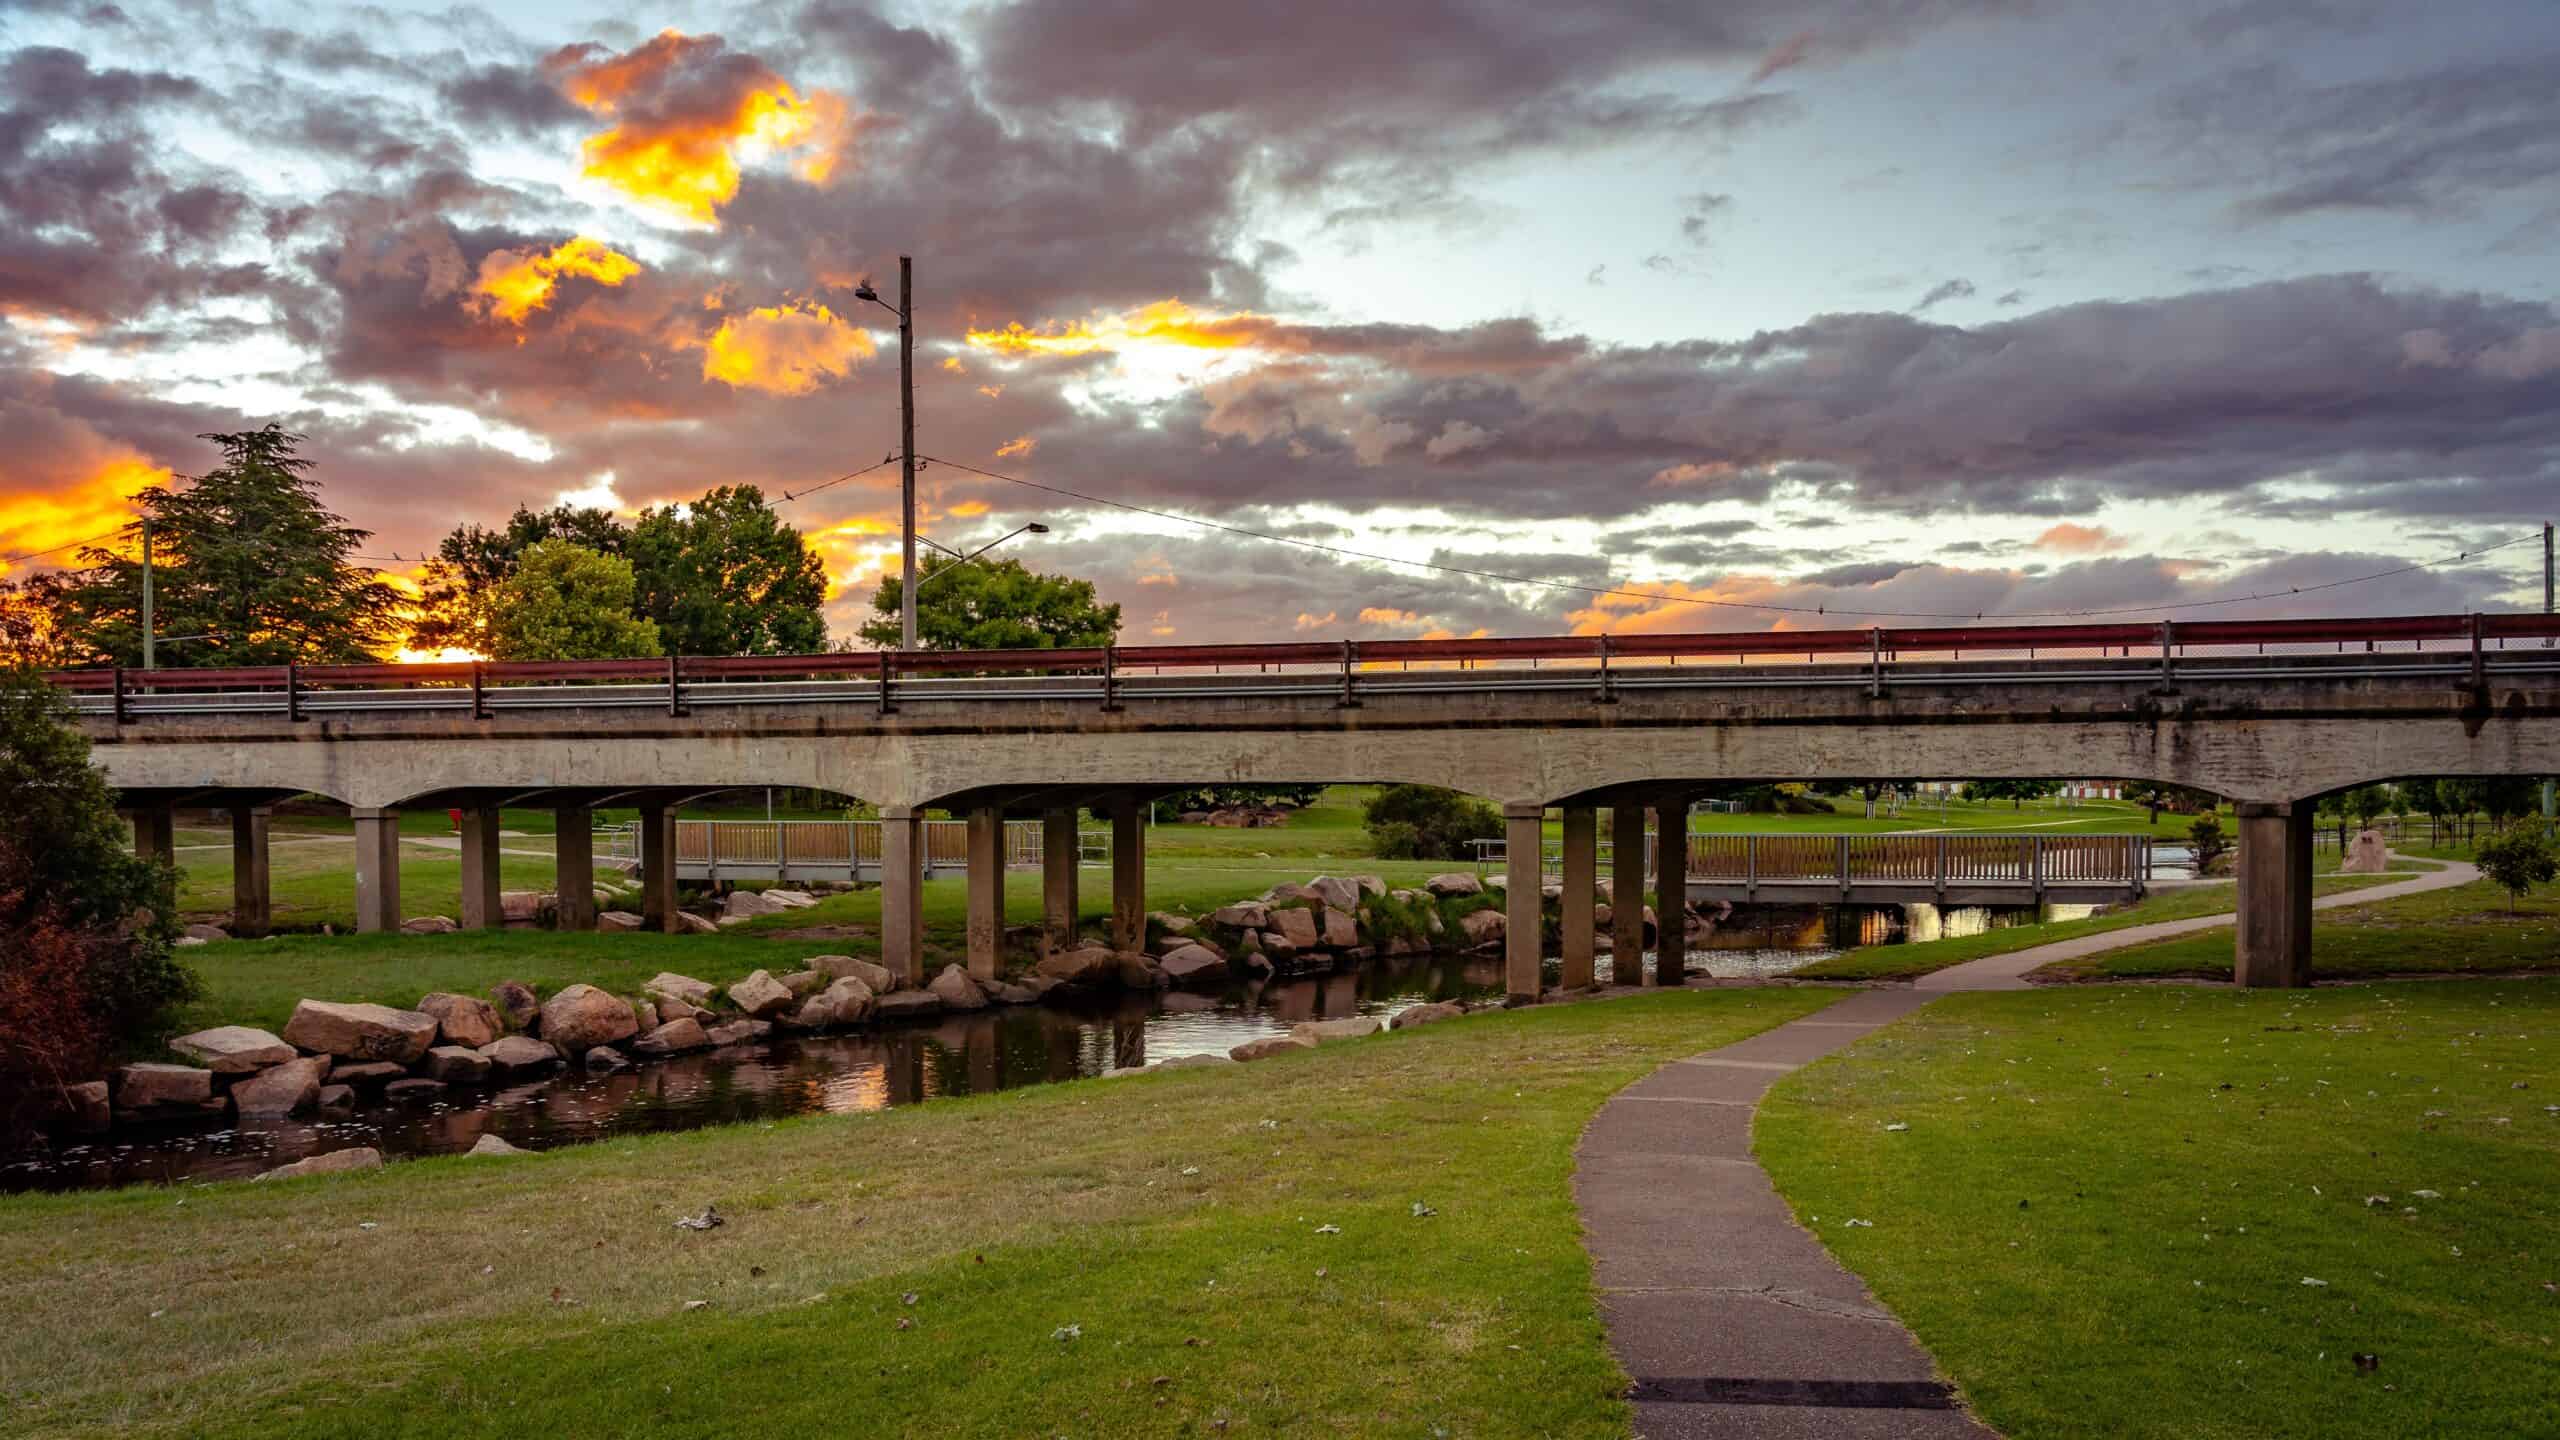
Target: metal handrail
{"x": 2471, "y": 647}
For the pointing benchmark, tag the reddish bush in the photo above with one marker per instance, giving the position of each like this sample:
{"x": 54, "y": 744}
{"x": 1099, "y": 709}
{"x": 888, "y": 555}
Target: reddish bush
{"x": 50, "y": 1034}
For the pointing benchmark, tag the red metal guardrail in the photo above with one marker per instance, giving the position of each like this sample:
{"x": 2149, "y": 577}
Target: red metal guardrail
{"x": 2133, "y": 638}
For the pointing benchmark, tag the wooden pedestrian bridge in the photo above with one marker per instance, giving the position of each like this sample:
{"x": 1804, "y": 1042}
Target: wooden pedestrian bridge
{"x": 1911, "y": 868}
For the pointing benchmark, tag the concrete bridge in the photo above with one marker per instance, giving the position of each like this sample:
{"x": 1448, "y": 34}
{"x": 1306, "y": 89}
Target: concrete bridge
{"x": 2269, "y": 714}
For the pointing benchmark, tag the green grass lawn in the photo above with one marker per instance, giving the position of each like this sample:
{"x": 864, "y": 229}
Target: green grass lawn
{"x": 2107, "y": 1203}
{"x": 908, "y": 1272}
{"x": 311, "y": 879}
{"x": 2467, "y": 928}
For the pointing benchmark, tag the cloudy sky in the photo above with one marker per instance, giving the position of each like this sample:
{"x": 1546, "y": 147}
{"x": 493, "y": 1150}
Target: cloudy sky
{"x": 1931, "y": 307}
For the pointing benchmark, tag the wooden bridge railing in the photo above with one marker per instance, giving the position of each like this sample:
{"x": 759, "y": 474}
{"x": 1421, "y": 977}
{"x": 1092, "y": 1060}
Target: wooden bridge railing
{"x": 2029, "y": 861}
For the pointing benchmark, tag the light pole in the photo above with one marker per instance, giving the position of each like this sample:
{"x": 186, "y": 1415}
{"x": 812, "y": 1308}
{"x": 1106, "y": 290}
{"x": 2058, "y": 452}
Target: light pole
{"x": 148, "y": 648}
{"x": 905, "y": 311}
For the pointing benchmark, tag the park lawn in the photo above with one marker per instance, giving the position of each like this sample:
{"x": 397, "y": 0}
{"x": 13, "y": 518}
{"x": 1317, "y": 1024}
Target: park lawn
{"x": 311, "y": 879}
{"x": 1899, "y": 962}
{"x": 2464, "y": 929}
{"x": 2104, "y": 1211}
{"x": 1038, "y": 1261}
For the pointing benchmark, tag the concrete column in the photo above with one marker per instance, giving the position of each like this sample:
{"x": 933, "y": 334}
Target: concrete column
{"x": 1129, "y": 875}
{"x": 986, "y": 890}
{"x": 377, "y": 870}
{"x": 1671, "y": 893}
{"x": 1058, "y": 860}
{"x": 155, "y": 833}
{"x": 658, "y": 869}
{"x": 481, "y": 908}
{"x": 1626, "y": 894}
{"x": 902, "y": 894}
{"x": 1581, "y": 879}
{"x": 573, "y": 865}
{"x": 2273, "y": 946}
{"x": 1524, "y": 927}
{"x": 251, "y": 914}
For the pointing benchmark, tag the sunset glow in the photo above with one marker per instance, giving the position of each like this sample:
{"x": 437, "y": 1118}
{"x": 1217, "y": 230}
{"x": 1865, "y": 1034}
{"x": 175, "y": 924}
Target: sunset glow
{"x": 515, "y": 283}
{"x": 36, "y": 519}
{"x": 784, "y": 349}
{"x": 684, "y": 122}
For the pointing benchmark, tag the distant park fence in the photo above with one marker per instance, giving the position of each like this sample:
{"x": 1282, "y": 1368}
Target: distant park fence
{"x": 1966, "y": 869}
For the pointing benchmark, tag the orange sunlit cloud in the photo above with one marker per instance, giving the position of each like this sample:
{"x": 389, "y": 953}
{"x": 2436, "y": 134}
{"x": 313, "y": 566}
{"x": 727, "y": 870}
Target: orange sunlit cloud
{"x": 1018, "y": 445}
{"x": 784, "y": 349}
{"x": 1384, "y": 615}
{"x": 515, "y": 283}
{"x": 1166, "y": 324}
{"x": 38, "y": 515}
{"x": 2073, "y": 539}
{"x": 1632, "y": 614}
{"x": 687, "y": 113}
{"x": 1307, "y": 621}
{"x": 969, "y": 509}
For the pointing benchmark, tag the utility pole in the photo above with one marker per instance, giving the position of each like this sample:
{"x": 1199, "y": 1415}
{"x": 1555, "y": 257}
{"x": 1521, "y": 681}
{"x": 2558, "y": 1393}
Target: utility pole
{"x": 2550, "y": 794}
{"x": 147, "y": 593}
{"x": 907, "y": 448}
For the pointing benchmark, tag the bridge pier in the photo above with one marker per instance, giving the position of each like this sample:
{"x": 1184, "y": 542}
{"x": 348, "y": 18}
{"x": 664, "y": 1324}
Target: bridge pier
{"x": 986, "y": 891}
{"x": 1129, "y": 874}
{"x": 658, "y": 868}
{"x": 1581, "y": 882}
{"x": 1671, "y": 892}
{"x": 377, "y": 870}
{"x": 574, "y": 865}
{"x": 902, "y": 893}
{"x": 2272, "y": 947}
{"x": 155, "y": 833}
{"x": 1058, "y": 862}
{"x": 481, "y": 907}
{"x": 1626, "y": 894}
{"x": 251, "y": 911}
{"x": 1524, "y": 845}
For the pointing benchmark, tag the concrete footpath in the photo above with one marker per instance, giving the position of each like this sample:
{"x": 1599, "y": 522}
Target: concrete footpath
{"x": 1733, "y": 1319}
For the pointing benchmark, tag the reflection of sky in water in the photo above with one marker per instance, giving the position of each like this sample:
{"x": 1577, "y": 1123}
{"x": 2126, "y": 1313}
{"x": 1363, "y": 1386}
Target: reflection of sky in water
{"x": 900, "y": 1065}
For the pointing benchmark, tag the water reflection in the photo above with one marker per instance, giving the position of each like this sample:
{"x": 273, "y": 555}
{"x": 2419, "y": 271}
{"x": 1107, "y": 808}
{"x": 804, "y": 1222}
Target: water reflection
{"x": 836, "y": 1074}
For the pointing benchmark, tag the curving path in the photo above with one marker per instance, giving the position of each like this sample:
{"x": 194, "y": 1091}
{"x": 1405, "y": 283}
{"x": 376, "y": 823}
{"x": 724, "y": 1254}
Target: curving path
{"x": 1733, "y": 1319}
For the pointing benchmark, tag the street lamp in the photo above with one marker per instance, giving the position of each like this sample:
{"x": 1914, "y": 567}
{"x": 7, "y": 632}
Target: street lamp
{"x": 905, "y": 311}
{"x": 958, "y": 559}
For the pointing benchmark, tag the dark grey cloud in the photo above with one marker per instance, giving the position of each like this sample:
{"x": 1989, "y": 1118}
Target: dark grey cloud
{"x": 1943, "y": 291}
{"x": 1697, "y": 210}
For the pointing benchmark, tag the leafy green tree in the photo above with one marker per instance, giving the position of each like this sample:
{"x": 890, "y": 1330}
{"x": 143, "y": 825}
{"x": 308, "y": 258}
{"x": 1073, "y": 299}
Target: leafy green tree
{"x": 2208, "y": 840}
{"x": 992, "y": 605}
{"x": 455, "y": 592}
{"x": 566, "y": 602}
{"x": 2159, "y": 796}
{"x": 1424, "y": 822}
{"x": 86, "y": 926}
{"x": 2368, "y": 803}
{"x": 1228, "y": 797}
{"x": 248, "y": 566}
{"x": 2016, "y": 792}
{"x": 724, "y": 576}
{"x": 30, "y": 632}
{"x": 2518, "y": 858}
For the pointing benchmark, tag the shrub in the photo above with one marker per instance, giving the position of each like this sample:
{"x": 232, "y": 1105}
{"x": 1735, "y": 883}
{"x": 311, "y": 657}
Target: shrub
{"x": 1440, "y": 823}
{"x": 2518, "y": 858}
{"x": 2210, "y": 843}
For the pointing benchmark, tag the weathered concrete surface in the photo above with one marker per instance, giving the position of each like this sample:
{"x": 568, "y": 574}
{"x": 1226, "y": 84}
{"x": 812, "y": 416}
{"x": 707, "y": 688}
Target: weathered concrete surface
{"x": 2255, "y": 738}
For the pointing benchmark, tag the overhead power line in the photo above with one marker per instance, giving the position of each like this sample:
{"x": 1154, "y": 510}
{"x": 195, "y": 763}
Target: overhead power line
{"x": 66, "y": 545}
{"x": 1660, "y": 598}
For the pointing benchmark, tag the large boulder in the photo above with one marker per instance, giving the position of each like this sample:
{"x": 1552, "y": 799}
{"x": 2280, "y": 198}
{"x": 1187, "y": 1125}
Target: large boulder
{"x": 907, "y": 1005}
{"x": 748, "y": 903}
{"x": 152, "y": 1084}
{"x": 516, "y": 1003}
{"x": 523, "y": 907}
{"x": 86, "y": 1107}
{"x": 1336, "y": 892}
{"x": 1370, "y": 884}
{"x": 429, "y": 925}
{"x": 1318, "y": 1032}
{"x": 490, "y": 1146}
{"x": 233, "y": 1049}
{"x": 367, "y": 1072}
{"x": 791, "y": 899}
{"x": 280, "y": 1090}
{"x": 673, "y": 1038}
{"x": 581, "y": 1017}
{"x": 761, "y": 996}
{"x": 1138, "y": 972}
{"x": 1251, "y": 915}
{"x": 337, "y": 1102}
{"x": 513, "y": 1053}
{"x": 1269, "y": 1045}
{"x": 688, "y": 923}
{"x": 1341, "y": 932}
{"x": 644, "y": 1013}
{"x": 1297, "y": 925}
{"x": 612, "y": 920}
{"x": 804, "y": 983}
{"x": 1195, "y": 965}
{"x": 668, "y": 985}
{"x": 604, "y": 1059}
{"x": 845, "y": 1001}
{"x": 836, "y": 967}
{"x": 457, "y": 1065}
{"x": 360, "y": 1031}
{"x": 416, "y": 1088}
{"x": 740, "y": 1032}
{"x": 1193, "y": 1062}
{"x": 361, "y": 1157}
{"x": 1083, "y": 965}
{"x": 956, "y": 990}
{"x": 1413, "y": 1015}
{"x": 1482, "y": 927}
{"x": 201, "y": 931}
{"x": 464, "y": 1020}
{"x": 1457, "y": 882}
